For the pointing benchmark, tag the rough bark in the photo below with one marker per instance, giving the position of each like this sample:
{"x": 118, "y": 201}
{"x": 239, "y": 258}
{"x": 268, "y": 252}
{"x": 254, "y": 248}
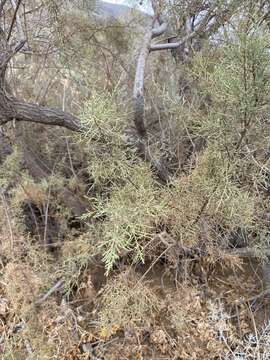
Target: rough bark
{"x": 14, "y": 109}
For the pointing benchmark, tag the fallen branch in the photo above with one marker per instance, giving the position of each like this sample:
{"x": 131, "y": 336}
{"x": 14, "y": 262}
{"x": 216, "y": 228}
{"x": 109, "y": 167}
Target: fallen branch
{"x": 13, "y": 109}
{"x": 262, "y": 294}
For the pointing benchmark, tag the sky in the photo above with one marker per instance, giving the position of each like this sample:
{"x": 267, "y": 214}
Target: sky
{"x": 144, "y": 5}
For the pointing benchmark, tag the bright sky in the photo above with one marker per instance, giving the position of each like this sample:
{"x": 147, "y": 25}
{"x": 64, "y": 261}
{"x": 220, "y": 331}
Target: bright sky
{"x": 144, "y": 5}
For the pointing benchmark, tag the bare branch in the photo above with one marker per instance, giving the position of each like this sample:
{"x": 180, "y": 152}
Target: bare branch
{"x": 52, "y": 290}
{"x": 159, "y": 30}
{"x": 23, "y": 111}
{"x": 175, "y": 45}
{"x": 250, "y": 252}
{"x": 203, "y": 28}
{"x": 13, "y": 109}
{"x": 244, "y": 252}
{"x": 138, "y": 93}
{"x": 166, "y": 46}
{"x": 17, "y": 18}
{"x": 138, "y": 96}
{"x": 16, "y": 8}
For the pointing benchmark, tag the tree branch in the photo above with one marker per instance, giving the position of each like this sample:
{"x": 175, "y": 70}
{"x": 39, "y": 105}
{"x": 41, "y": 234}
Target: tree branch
{"x": 16, "y": 8}
{"x": 138, "y": 96}
{"x": 38, "y": 114}
{"x": 138, "y": 90}
{"x": 16, "y": 18}
{"x": 14, "y": 109}
{"x": 167, "y": 46}
{"x": 202, "y": 29}
{"x": 159, "y": 30}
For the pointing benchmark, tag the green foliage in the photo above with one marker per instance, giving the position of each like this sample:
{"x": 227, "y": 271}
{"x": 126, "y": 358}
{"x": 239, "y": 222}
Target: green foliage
{"x": 239, "y": 89}
{"x": 233, "y": 83}
{"x": 132, "y": 213}
{"x": 10, "y": 169}
{"x": 133, "y": 205}
{"x": 101, "y": 120}
{"x": 109, "y": 159}
{"x": 217, "y": 196}
{"x": 207, "y": 202}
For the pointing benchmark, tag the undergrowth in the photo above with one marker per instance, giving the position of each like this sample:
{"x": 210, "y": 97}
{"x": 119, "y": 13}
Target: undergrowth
{"x": 143, "y": 269}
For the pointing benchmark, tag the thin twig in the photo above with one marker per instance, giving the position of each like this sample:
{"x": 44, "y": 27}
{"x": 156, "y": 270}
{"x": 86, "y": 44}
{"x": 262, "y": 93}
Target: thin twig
{"x": 52, "y": 290}
{"x": 14, "y": 19}
{"x": 8, "y": 220}
{"x": 66, "y": 138}
{"x": 18, "y": 20}
{"x": 154, "y": 263}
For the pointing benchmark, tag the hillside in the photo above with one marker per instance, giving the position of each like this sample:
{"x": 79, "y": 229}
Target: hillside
{"x": 107, "y": 10}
